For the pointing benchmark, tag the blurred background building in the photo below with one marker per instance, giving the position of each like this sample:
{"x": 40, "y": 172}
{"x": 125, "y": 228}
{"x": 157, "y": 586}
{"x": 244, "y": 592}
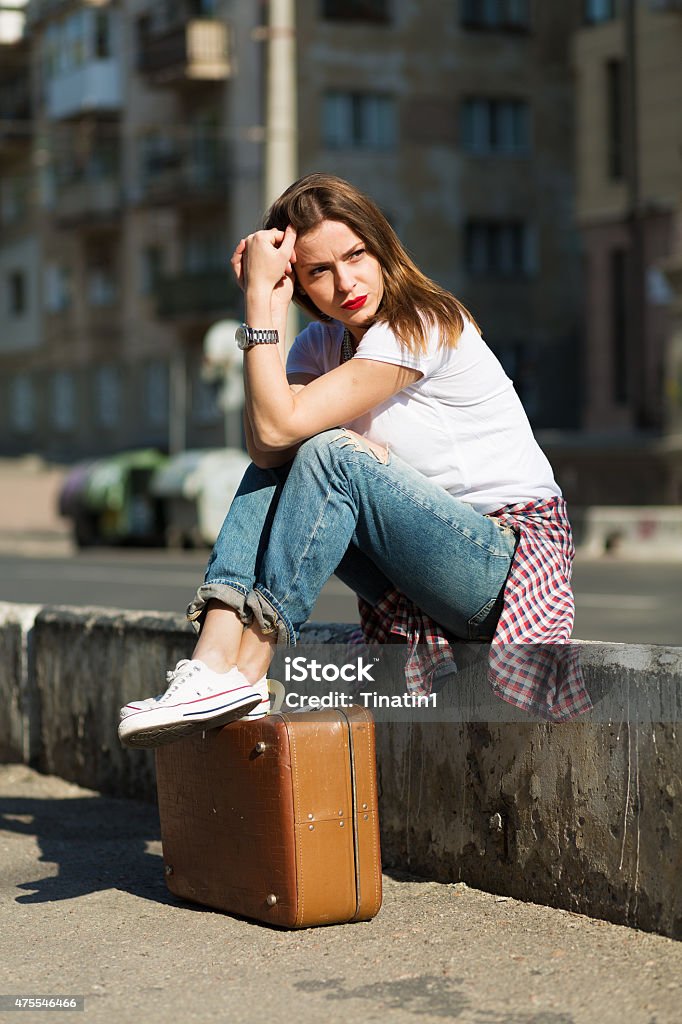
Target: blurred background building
{"x": 628, "y": 166}
{"x": 528, "y": 153}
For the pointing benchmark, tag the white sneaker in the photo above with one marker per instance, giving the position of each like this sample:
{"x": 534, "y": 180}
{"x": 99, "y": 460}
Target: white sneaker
{"x": 197, "y": 698}
{"x": 262, "y": 709}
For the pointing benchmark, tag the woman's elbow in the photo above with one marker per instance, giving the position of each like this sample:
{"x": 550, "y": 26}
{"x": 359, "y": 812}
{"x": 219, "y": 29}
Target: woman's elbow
{"x": 266, "y": 453}
{"x": 273, "y": 439}
{"x": 270, "y": 460}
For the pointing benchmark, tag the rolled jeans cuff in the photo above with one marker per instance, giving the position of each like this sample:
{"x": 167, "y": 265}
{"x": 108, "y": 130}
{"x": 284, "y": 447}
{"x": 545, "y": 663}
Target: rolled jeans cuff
{"x": 258, "y": 603}
{"x": 230, "y": 594}
{"x": 270, "y": 615}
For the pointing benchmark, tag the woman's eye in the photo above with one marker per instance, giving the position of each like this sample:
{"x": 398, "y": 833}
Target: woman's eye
{"x": 357, "y": 254}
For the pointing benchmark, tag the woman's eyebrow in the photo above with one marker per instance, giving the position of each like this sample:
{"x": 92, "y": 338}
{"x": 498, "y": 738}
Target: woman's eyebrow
{"x": 324, "y": 263}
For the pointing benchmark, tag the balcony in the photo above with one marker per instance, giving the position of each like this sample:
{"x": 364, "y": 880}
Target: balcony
{"x": 92, "y": 200}
{"x": 198, "y": 295}
{"x": 183, "y": 170}
{"x": 356, "y": 10}
{"x": 15, "y": 97}
{"x": 194, "y": 51}
{"x": 15, "y": 114}
{"x": 17, "y": 202}
{"x": 39, "y": 10}
{"x": 94, "y": 87}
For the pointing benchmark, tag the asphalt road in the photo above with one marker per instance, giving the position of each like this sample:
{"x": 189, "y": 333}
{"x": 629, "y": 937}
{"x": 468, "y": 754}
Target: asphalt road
{"x": 629, "y": 602}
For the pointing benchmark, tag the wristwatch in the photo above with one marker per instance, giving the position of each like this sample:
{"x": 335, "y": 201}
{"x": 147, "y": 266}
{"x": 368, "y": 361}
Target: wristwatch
{"x": 247, "y": 337}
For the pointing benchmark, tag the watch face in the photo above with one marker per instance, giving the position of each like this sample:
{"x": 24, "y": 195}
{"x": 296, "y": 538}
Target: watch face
{"x": 241, "y": 337}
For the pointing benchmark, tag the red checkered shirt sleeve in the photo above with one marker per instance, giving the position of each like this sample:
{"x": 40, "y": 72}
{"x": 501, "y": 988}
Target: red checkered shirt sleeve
{"x": 531, "y": 663}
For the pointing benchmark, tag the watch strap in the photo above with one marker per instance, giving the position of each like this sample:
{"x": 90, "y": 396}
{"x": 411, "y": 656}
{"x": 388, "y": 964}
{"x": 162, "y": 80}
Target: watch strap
{"x": 248, "y": 336}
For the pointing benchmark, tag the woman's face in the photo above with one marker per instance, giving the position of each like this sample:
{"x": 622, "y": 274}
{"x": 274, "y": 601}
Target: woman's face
{"x": 339, "y": 275}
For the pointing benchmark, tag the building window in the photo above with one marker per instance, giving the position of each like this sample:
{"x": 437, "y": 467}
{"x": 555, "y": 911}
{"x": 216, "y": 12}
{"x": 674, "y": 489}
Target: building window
{"x": 101, "y": 283}
{"x": 102, "y": 35}
{"x": 495, "y": 126}
{"x": 16, "y": 293}
{"x": 76, "y": 39}
{"x": 156, "y": 393}
{"x": 15, "y": 197}
{"x": 63, "y": 401}
{"x": 500, "y": 249}
{"x": 597, "y": 11}
{"x": 152, "y": 266}
{"x": 108, "y": 396}
{"x": 615, "y": 115}
{"x": 22, "y": 406}
{"x": 168, "y": 15}
{"x": 359, "y": 120}
{"x": 161, "y": 153}
{"x": 355, "y": 10}
{"x": 204, "y": 250}
{"x": 57, "y": 288}
{"x": 618, "y": 291}
{"x": 509, "y": 15}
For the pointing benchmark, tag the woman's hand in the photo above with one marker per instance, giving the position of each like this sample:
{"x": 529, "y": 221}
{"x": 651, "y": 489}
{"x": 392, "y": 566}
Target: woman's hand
{"x": 264, "y": 259}
{"x": 263, "y": 264}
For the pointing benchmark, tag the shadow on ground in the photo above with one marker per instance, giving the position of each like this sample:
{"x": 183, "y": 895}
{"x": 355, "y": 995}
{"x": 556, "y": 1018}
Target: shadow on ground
{"x": 95, "y": 843}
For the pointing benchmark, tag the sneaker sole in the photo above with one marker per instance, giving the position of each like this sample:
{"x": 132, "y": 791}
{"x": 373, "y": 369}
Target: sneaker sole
{"x": 260, "y": 711}
{"x": 135, "y": 733}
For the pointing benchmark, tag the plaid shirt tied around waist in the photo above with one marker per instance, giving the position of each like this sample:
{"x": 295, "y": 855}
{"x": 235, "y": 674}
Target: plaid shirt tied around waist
{"x": 531, "y": 663}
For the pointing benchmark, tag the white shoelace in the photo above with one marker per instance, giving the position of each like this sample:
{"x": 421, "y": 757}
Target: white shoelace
{"x": 178, "y": 676}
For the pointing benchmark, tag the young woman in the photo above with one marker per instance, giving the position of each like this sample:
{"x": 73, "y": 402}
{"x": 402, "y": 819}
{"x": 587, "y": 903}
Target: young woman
{"x": 392, "y": 451}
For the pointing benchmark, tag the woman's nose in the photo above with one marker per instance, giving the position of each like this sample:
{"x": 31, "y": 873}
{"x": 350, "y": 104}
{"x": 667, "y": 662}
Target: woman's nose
{"x": 344, "y": 279}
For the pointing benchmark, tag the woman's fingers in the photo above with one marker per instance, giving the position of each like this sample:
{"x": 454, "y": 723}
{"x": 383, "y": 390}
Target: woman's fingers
{"x": 288, "y": 242}
{"x": 237, "y": 262}
{"x": 266, "y": 255}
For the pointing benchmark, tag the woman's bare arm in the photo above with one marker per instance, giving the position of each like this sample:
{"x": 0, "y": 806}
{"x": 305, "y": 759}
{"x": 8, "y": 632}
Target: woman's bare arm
{"x": 268, "y": 460}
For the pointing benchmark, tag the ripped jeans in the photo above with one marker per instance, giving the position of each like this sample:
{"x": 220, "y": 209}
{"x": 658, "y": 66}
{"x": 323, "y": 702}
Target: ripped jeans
{"x": 338, "y": 508}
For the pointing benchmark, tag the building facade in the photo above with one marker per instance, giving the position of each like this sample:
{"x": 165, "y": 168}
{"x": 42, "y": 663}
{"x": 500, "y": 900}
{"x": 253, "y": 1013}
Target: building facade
{"x": 629, "y": 176}
{"x": 140, "y": 161}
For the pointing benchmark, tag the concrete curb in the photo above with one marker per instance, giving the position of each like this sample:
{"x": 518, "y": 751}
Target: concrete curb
{"x": 585, "y": 816}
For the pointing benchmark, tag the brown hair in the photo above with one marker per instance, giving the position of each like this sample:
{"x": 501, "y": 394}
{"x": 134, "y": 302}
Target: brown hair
{"x": 412, "y": 303}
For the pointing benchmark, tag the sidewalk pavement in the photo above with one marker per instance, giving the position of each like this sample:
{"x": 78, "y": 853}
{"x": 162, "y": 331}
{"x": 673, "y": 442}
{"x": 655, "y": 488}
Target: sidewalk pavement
{"x": 84, "y": 911}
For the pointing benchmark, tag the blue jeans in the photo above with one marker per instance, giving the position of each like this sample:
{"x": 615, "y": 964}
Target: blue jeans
{"x": 337, "y": 508}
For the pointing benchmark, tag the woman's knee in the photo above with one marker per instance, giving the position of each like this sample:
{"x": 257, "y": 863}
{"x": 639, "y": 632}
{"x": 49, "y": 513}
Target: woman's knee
{"x": 329, "y": 443}
{"x": 319, "y": 445}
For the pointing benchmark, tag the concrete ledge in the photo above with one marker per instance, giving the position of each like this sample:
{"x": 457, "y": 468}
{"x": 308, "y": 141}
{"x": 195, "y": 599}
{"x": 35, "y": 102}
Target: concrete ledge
{"x": 20, "y": 720}
{"x": 585, "y": 816}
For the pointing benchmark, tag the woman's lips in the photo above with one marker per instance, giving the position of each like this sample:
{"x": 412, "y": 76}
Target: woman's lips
{"x": 355, "y": 303}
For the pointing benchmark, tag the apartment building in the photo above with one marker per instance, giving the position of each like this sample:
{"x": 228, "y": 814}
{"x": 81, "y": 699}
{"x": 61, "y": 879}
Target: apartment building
{"x": 144, "y": 162}
{"x": 19, "y": 252}
{"x": 126, "y": 228}
{"x": 629, "y": 179}
{"x": 457, "y": 117}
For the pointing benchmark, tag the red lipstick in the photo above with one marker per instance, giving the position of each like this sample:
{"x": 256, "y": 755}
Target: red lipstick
{"x": 355, "y": 303}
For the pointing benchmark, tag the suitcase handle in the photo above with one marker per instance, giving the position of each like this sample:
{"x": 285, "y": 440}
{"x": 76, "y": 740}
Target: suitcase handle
{"x": 278, "y": 692}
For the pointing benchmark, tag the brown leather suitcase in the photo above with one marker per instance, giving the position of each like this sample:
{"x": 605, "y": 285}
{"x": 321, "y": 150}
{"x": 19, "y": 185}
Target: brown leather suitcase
{"x": 275, "y": 819}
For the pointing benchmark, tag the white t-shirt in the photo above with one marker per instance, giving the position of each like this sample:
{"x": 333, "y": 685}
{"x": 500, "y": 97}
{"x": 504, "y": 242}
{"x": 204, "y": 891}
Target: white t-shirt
{"x": 461, "y": 424}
